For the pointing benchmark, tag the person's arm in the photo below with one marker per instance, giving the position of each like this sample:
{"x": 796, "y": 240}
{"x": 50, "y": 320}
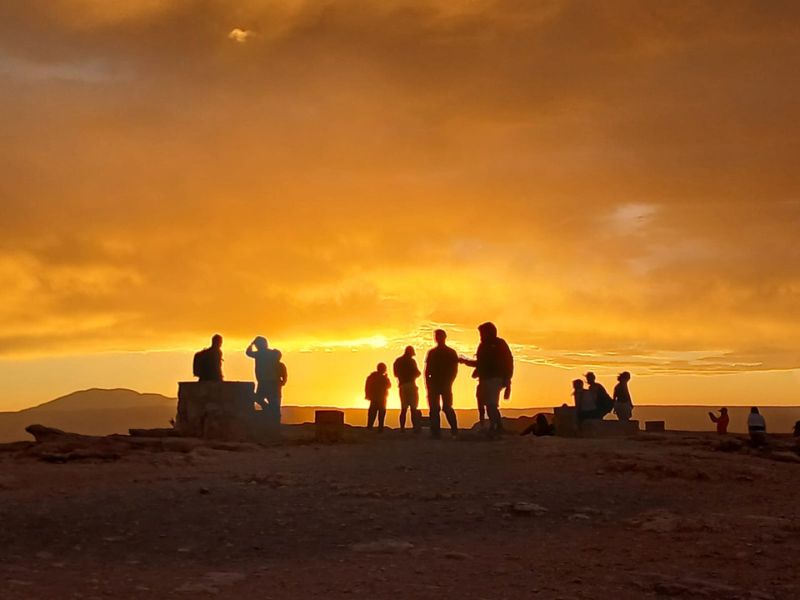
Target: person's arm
{"x": 713, "y": 417}
{"x": 468, "y": 361}
{"x": 284, "y": 373}
{"x": 366, "y": 387}
{"x": 427, "y": 367}
{"x": 249, "y": 351}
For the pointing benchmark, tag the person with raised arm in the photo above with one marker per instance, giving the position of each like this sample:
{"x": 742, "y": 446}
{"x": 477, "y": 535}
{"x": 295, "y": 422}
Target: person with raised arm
{"x": 270, "y": 377}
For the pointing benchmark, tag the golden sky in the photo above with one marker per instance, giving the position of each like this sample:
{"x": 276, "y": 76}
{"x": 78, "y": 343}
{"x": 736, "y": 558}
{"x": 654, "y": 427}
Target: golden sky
{"x": 612, "y": 183}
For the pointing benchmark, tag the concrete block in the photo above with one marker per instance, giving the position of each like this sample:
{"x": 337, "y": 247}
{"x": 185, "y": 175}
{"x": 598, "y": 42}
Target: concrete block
{"x": 565, "y": 421}
{"x": 655, "y": 426}
{"x": 329, "y": 425}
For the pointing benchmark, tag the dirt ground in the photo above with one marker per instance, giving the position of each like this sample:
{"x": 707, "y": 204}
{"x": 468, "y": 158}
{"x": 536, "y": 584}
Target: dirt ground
{"x": 396, "y": 516}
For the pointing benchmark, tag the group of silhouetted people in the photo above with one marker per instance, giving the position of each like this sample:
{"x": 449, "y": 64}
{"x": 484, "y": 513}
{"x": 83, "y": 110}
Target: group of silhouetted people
{"x": 493, "y": 367}
{"x": 271, "y": 372}
{"x": 594, "y": 402}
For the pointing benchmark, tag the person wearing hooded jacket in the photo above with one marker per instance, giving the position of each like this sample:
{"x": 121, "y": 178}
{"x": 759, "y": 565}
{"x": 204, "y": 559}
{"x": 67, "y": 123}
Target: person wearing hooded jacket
{"x": 494, "y": 368}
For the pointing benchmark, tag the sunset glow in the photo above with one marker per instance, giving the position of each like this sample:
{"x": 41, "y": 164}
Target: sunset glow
{"x": 615, "y": 185}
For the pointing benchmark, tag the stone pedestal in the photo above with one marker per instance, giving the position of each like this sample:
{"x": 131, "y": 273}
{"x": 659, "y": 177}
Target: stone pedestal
{"x": 329, "y": 425}
{"x": 565, "y": 421}
{"x": 655, "y": 426}
{"x": 215, "y": 409}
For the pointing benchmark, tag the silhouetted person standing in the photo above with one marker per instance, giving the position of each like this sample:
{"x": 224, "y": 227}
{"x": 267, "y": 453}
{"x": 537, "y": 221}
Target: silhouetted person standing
{"x": 376, "y": 389}
{"x": 441, "y": 368}
{"x": 494, "y": 368}
{"x": 722, "y": 420}
{"x": 406, "y": 370}
{"x": 623, "y": 404}
{"x": 756, "y": 427}
{"x": 207, "y": 364}
{"x": 270, "y": 377}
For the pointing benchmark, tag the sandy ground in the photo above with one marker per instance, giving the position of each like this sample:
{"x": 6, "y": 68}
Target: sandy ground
{"x": 406, "y": 517}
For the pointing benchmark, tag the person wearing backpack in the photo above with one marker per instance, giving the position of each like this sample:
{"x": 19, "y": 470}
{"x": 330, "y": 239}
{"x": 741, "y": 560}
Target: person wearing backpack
{"x": 207, "y": 364}
{"x": 494, "y": 368}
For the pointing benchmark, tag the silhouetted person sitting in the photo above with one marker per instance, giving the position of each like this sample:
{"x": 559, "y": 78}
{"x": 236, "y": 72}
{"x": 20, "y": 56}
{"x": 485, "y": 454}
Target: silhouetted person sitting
{"x": 406, "y": 370}
{"x": 441, "y": 368}
{"x": 494, "y": 368}
{"x": 269, "y": 378}
{"x": 623, "y": 404}
{"x": 584, "y": 404}
{"x": 540, "y": 427}
{"x": 376, "y": 390}
{"x": 722, "y": 420}
{"x": 597, "y": 396}
{"x": 207, "y": 364}
{"x": 796, "y": 432}
{"x": 756, "y": 427}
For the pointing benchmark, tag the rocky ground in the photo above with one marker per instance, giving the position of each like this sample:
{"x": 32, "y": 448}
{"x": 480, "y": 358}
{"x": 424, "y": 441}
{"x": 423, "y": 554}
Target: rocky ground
{"x": 396, "y": 516}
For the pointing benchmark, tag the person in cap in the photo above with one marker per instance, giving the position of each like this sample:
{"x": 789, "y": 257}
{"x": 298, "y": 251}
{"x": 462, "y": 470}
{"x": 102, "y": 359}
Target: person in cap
{"x": 494, "y": 368}
{"x": 721, "y": 421}
{"x": 623, "y": 405}
{"x": 376, "y": 390}
{"x": 270, "y": 376}
{"x": 406, "y": 371}
{"x": 597, "y": 396}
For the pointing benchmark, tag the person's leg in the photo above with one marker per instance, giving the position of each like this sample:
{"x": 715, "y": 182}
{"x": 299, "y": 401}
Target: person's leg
{"x": 372, "y": 412}
{"x": 273, "y": 389}
{"x": 413, "y": 402}
{"x": 490, "y": 392}
{"x": 481, "y": 407}
{"x": 403, "y": 409}
{"x": 435, "y": 409}
{"x": 447, "y": 406}
{"x": 260, "y": 396}
{"x": 381, "y": 416}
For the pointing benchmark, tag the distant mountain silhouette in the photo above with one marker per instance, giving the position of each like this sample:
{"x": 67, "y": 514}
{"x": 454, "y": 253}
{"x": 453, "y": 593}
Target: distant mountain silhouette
{"x": 102, "y": 412}
{"x": 93, "y": 412}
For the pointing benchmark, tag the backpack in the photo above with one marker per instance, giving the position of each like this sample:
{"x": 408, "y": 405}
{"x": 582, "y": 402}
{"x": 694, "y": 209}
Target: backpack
{"x": 199, "y": 364}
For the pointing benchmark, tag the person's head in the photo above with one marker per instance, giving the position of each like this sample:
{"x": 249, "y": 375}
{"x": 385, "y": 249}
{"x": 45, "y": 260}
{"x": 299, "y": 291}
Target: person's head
{"x": 409, "y": 351}
{"x": 440, "y": 335}
{"x": 754, "y": 410}
{"x": 381, "y": 368}
{"x": 624, "y": 377}
{"x": 577, "y": 384}
{"x": 216, "y": 341}
{"x": 261, "y": 343}
{"x": 723, "y": 411}
{"x": 488, "y": 331}
{"x": 590, "y": 378}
